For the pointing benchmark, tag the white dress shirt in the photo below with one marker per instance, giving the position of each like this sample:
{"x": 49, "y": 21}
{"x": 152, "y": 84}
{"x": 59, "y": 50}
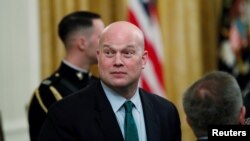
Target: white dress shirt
{"x": 117, "y": 102}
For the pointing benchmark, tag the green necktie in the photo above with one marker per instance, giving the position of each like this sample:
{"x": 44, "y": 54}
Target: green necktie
{"x": 130, "y": 129}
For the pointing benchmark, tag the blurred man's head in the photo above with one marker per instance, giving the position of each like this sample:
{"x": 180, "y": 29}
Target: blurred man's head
{"x": 215, "y": 99}
{"x": 80, "y": 31}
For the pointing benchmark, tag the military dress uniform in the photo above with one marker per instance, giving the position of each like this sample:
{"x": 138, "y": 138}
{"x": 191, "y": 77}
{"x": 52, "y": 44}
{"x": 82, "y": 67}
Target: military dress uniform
{"x": 63, "y": 82}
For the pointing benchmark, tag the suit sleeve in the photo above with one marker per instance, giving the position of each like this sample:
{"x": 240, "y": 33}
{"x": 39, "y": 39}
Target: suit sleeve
{"x": 36, "y": 117}
{"x": 41, "y": 101}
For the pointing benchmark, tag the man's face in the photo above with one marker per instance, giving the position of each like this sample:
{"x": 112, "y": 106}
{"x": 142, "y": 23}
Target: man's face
{"x": 121, "y": 58}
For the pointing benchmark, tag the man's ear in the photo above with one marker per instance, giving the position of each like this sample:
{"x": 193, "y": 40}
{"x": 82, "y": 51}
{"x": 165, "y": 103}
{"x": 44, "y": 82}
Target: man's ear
{"x": 144, "y": 59}
{"x": 242, "y": 115}
{"x": 81, "y": 43}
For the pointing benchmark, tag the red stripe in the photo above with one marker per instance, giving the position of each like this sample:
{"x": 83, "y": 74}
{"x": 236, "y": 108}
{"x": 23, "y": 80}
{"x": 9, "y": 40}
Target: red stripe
{"x": 152, "y": 54}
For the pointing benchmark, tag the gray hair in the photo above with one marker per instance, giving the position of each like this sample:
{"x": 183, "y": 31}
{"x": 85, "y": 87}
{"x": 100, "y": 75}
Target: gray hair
{"x": 212, "y": 100}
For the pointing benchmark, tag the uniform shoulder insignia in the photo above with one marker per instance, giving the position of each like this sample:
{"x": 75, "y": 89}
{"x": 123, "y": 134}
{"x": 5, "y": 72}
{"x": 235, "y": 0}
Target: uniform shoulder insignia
{"x": 46, "y": 82}
{"x": 54, "y": 78}
{"x": 79, "y": 76}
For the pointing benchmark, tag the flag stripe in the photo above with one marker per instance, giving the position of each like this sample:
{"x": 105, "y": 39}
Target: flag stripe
{"x": 149, "y": 25}
{"x": 152, "y": 77}
{"x": 152, "y": 80}
{"x": 152, "y": 54}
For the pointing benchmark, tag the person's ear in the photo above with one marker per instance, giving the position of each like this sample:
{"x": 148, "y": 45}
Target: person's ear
{"x": 242, "y": 115}
{"x": 144, "y": 59}
{"x": 81, "y": 43}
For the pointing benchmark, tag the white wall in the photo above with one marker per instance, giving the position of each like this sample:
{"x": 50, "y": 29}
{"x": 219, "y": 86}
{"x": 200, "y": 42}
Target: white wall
{"x": 19, "y": 64}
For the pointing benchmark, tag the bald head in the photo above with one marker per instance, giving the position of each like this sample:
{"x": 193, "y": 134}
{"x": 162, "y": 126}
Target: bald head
{"x": 121, "y": 30}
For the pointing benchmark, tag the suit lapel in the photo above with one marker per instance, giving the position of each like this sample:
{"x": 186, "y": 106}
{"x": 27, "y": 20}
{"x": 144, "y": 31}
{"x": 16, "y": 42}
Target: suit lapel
{"x": 107, "y": 120}
{"x": 106, "y": 117}
{"x": 150, "y": 117}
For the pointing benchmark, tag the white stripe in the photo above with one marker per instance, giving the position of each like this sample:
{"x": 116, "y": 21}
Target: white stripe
{"x": 149, "y": 26}
{"x": 152, "y": 80}
{"x": 151, "y": 30}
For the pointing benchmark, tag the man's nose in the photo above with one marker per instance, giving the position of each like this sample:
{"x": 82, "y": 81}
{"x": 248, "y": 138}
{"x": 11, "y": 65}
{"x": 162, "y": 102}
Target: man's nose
{"x": 118, "y": 59}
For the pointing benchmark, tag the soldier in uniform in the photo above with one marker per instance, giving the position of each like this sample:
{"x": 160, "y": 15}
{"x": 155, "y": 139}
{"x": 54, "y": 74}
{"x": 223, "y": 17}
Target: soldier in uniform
{"x": 79, "y": 32}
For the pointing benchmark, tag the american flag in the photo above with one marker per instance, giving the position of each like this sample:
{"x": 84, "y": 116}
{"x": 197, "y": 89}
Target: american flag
{"x": 143, "y": 14}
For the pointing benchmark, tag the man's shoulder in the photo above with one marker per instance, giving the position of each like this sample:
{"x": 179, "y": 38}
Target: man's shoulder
{"x": 153, "y": 96}
{"x": 51, "y": 80}
{"x": 55, "y": 85}
{"x": 157, "y": 100}
{"x": 82, "y": 97}
{"x": 77, "y": 104}
{"x": 43, "y": 95}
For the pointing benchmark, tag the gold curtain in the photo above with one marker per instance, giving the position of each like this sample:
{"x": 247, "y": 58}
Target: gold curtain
{"x": 189, "y": 30}
{"x": 52, "y": 11}
{"x": 190, "y": 38}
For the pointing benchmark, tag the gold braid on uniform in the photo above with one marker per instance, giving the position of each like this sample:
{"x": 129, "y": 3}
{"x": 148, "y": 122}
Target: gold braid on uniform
{"x": 56, "y": 94}
{"x": 40, "y": 101}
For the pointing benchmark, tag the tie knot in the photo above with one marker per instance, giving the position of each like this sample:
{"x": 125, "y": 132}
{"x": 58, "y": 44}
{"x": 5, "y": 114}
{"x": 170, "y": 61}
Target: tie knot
{"x": 128, "y": 106}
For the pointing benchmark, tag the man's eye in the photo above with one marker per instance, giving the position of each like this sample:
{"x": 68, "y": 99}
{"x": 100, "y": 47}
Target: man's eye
{"x": 109, "y": 53}
{"x": 128, "y": 54}
{"x": 106, "y": 52}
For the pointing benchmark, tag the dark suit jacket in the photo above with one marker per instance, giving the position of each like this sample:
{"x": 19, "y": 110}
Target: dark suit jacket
{"x": 247, "y": 105}
{"x": 202, "y": 139}
{"x": 88, "y": 116}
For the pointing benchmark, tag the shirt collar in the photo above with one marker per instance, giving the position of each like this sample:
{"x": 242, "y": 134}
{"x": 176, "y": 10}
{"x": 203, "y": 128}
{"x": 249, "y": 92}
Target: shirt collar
{"x": 117, "y": 101}
{"x": 74, "y": 67}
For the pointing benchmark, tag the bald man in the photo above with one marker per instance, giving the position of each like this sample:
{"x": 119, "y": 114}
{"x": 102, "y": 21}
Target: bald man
{"x": 97, "y": 113}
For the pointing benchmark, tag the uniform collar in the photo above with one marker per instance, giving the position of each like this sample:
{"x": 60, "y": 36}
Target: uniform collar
{"x": 71, "y": 72}
{"x": 74, "y": 67}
